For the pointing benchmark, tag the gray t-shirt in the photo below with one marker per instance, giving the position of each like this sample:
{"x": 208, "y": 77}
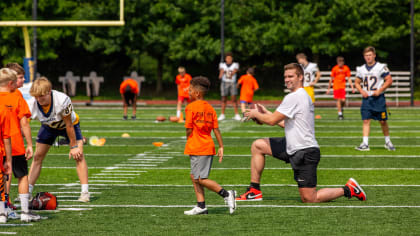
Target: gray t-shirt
{"x": 299, "y": 125}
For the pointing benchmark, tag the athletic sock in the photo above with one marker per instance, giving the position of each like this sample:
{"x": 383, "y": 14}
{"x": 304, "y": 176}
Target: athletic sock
{"x": 202, "y": 205}
{"x": 366, "y": 140}
{"x": 340, "y": 113}
{"x": 178, "y": 113}
{"x": 31, "y": 189}
{"x": 24, "y": 202}
{"x": 2, "y": 208}
{"x": 255, "y": 185}
{"x": 387, "y": 139}
{"x": 347, "y": 192}
{"x": 85, "y": 188}
{"x": 223, "y": 193}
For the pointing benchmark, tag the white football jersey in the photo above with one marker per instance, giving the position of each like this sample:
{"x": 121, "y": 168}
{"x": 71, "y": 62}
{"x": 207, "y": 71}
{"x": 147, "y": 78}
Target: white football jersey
{"x": 309, "y": 73}
{"x": 61, "y": 106}
{"x": 372, "y": 76}
{"x": 228, "y": 75}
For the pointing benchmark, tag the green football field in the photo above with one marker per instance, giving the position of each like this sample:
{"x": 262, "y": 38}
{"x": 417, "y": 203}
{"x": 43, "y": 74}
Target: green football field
{"x": 140, "y": 189}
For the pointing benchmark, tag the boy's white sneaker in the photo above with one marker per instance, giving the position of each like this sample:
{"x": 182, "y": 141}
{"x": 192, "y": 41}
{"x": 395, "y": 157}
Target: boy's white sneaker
{"x": 3, "y": 218}
{"x": 11, "y": 214}
{"x": 84, "y": 197}
{"x": 222, "y": 117}
{"x": 29, "y": 216}
{"x": 237, "y": 117}
{"x": 230, "y": 201}
{"x": 196, "y": 211}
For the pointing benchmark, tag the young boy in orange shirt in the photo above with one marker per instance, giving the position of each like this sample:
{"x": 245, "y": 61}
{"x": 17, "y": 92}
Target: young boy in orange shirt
{"x": 5, "y": 142}
{"x": 339, "y": 75}
{"x": 20, "y": 113}
{"x": 249, "y": 86}
{"x": 200, "y": 120}
{"x": 182, "y": 81}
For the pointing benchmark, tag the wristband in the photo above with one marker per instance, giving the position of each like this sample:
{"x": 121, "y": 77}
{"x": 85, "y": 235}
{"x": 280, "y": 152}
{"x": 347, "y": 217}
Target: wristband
{"x": 75, "y": 146}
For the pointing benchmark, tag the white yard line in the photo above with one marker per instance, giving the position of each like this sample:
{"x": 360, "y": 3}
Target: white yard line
{"x": 111, "y": 177}
{"x": 246, "y": 206}
{"x": 94, "y": 186}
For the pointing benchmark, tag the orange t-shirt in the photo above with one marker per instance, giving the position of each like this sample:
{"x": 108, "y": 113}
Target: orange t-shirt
{"x": 249, "y": 85}
{"x": 4, "y": 129}
{"x": 18, "y": 109}
{"x": 202, "y": 118}
{"x": 183, "y": 83}
{"x": 133, "y": 85}
{"x": 339, "y": 75}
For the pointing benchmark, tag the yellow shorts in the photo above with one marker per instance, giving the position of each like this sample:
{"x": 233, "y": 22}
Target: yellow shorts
{"x": 311, "y": 93}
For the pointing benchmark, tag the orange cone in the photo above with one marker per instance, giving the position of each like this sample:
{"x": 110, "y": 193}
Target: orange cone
{"x": 181, "y": 118}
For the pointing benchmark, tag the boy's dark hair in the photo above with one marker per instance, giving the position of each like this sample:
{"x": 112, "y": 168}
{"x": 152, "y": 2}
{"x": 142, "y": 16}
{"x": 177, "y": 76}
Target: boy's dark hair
{"x": 16, "y": 67}
{"x": 201, "y": 83}
{"x": 228, "y": 54}
{"x": 250, "y": 71}
{"x": 301, "y": 55}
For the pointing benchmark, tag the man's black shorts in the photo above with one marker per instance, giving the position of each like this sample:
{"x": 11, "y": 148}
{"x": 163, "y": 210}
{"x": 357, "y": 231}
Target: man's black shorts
{"x": 19, "y": 166}
{"x": 129, "y": 98}
{"x": 304, "y": 162}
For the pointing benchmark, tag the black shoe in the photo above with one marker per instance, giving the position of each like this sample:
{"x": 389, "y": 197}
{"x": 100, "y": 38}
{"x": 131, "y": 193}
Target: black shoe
{"x": 133, "y": 117}
{"x": 124, "y": 117}
{"x": 341, "y": 117}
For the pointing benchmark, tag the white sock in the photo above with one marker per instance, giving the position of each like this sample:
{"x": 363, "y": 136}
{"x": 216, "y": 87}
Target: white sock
{"x": 178, "y": 113}
{"x": 366, "y": 140}
{"x": 2, "y": 208}
{"x": 85, "y": 188}
{"x": 24, "y": 202}
{"x": 387, "y": 139}
{"x": 31, "y": 189}
{"x": 340, "y": 113}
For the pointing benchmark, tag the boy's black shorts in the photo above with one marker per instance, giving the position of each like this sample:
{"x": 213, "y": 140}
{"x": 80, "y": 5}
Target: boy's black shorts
{"x": 19, "y": 166}
{"x": 304, "y": 162}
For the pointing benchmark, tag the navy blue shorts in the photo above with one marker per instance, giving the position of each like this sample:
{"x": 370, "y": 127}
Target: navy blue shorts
{"x": 374, "y": 108}
{"x": 47, "y": 135}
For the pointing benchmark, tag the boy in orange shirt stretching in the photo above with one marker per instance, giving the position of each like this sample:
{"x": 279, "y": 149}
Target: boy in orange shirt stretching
{"x": 249, "y": 86}
{"x": 129, "y": 90}
{"x": 200, "y": 120}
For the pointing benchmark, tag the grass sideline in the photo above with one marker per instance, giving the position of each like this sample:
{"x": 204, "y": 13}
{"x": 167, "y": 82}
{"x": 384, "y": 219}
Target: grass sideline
{"x": 140, "y": 189}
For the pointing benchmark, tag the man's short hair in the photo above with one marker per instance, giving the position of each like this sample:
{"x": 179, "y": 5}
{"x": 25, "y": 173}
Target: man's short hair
{"x": 251, "y": 71}
{"x": 228, "y": 54}
{"x": 201, "y": 83}
{"x": 40, "y": 87}
{"x": 369, "y": 49}
{"x": 181, "y": 69}
{"x": 7, "y": 75}
{"x": 294, "y": 66}
{"x": 16, "y": 67}
{"x": 340, "y": 58}
{"x": 301, "y": 55}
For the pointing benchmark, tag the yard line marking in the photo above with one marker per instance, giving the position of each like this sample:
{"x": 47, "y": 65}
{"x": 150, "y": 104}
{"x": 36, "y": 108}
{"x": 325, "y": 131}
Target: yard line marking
{"x": 279, "y": 168}
{"x": 74, "y": 192}
{"x": 66, "y": 196}
{"x": 14, "y": 225}
{"x": 125, "y": 171}
{"x": 108, "y": 181}
{"x": 74, "y": 209}
{"x": 68, "y": 200}
{"x": 112, "y": 173}
{"x": 117, "y": 177}
{"x": 134, "y": 165}
{"x": 247, "y": 206}
{"x": 11, "y": 233}
{"x": 239, "y": 185}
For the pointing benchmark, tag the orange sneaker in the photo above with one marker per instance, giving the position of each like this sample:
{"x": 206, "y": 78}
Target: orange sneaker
{"x": 356, "y": 190}
{"x": 251, "y": 194}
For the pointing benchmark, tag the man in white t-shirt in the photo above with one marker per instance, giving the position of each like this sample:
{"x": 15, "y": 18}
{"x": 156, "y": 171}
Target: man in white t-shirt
{"x": 299, "y": 148}
{"x": 227, "y": 73}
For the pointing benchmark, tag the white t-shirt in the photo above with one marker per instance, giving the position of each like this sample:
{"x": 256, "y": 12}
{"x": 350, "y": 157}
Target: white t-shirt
{"x": 299, "y": 125}
{"x": 372, "y": 76}
{"x": 228, "y": 75}
{"x": 61, "y": 106}
{"x": 309, "y": 73}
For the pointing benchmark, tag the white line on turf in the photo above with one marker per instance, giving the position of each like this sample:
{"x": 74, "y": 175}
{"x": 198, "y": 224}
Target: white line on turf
{"x": 124, "y": 171}
{"x": 73, "y": 192}
{"x": 112, "y": 173}
{"x": 9, "y": 233}
{"x": 15, "y": 225}
{"x": 248, "y": 206}
{"x": 240, "y": 185}
{"x": 110, "y": 177}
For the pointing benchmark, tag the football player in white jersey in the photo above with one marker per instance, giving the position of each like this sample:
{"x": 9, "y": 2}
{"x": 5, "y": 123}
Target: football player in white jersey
{"x": 227, "y": 73}
{"x": 372, "y": 79}
{"x": 311, "y": 76}
{"x": 55, "y": 112}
